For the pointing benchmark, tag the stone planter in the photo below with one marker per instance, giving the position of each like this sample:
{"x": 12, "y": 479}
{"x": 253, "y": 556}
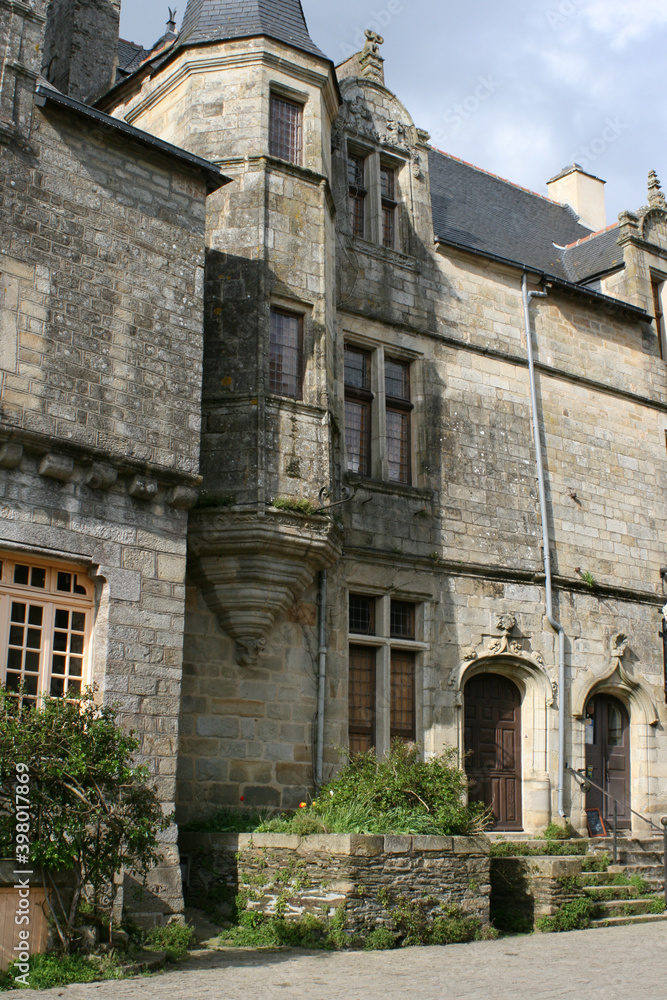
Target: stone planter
{"x": 364, "y": 875}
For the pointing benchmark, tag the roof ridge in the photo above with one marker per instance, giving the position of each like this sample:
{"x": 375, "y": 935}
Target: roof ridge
{"x": 497, "y": 177}
{"x": 591, "y": 236}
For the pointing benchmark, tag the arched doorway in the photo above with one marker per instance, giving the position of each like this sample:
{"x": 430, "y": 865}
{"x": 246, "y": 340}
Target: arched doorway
{"x": 608, "y": 757}
{"x": 492, "y": 738}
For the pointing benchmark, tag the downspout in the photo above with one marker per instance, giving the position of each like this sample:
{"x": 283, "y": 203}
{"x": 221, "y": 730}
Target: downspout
{"x": 546, "y": 546}
{"x": 321, "y": 684}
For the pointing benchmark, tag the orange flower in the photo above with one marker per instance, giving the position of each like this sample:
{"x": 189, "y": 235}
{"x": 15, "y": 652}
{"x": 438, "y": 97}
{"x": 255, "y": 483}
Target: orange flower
{"x": 302, "y": 805}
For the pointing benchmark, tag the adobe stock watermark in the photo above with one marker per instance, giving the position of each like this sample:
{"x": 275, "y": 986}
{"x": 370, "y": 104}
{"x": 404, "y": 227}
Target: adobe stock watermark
{"x": 587, "y": 155}
{"x": 459, "y": 113}
{"x": 22, "y": 872}
{"x": 379, "y": 20}
{"x": 557, "y": 16}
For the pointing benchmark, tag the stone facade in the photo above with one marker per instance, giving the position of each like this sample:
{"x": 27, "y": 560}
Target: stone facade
{"x": 365, "y": 876}
{"x": 114, "y": 404}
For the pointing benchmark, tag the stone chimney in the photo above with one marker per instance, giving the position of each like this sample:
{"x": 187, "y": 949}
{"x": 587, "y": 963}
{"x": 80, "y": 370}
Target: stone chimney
{"x": 81, "y": 46}
{"x": 583, "y": 192}
{"x": 21, "y": 35}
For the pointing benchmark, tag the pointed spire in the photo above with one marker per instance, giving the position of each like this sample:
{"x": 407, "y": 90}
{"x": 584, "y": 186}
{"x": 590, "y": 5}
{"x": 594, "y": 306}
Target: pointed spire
{"x": 656, "y": 196}
{"x": 220, "y": 20}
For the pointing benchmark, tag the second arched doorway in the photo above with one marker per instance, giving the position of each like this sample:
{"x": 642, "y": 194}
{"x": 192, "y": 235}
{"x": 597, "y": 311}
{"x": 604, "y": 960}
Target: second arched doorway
{"x": 608, "y": 757}
{"x": 492, "y": 737}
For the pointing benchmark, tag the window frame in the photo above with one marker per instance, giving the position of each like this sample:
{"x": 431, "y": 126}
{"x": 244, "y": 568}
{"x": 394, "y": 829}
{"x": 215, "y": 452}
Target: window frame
{"x": 294, "y": 150}
{"x": 659, "y": 296}
{"x": 376, "y": 201}
{"x": 386, "y": 646}
{"x": 51, "y": 600}
{"x": 357, "y": 194}
{"x": 389, "y": 206}
{"x": 279, "y": 310}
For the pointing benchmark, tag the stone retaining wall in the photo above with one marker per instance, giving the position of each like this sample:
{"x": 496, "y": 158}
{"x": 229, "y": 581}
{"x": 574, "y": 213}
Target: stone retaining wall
{"x": 532, "y": 887}
{"x": 366, "y": 875}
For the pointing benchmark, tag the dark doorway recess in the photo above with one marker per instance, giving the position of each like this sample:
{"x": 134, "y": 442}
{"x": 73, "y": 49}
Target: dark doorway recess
{"x": 608, "y": 757}
{"x": 493, "y": 747}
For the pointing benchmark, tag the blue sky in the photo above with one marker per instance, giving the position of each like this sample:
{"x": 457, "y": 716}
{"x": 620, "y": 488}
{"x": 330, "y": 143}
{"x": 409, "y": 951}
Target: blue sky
{"x": 521, "y": 87}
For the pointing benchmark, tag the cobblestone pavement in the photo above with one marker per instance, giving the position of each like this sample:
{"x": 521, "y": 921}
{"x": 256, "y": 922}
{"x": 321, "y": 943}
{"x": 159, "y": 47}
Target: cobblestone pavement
{"x": 617, "y": 963}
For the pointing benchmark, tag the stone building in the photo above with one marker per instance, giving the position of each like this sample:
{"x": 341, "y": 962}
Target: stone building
{"x": 378, "y": 549}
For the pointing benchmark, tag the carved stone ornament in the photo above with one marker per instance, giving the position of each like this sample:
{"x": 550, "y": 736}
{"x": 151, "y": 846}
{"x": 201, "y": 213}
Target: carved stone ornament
{"x": 371, "y": 61}
{"x": 251, "y": 569}
{"x": 617, "y": 677}
{"x": 656, "y": 196}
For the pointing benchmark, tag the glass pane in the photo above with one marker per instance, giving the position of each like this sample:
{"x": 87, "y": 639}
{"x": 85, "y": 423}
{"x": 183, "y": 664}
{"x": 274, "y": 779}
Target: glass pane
{"x": 78, "y": 621}
{"x": 32, "y": 663}
{"x": 13, "y": 682}
{"x": 397, "y": 379}
{"x": 615, "y": 727}
{"x": 74, "y": 687}
{"x": 35, "y": 614}
{"x": 57, "y": 686}
{"x": 30, "y": 684}
{"x": 361, "y": 698}
{"x": 34, "y": 638}
{"x": 398, "y": 425}
{"x": 357, "y": 369}
{"x": 60, "y": 641}
{"x": 388, "y": 186}
{"x": 75, "y": 666}
{"x": 16, "y": 635}
{"x": 362, "y": 614}
{"x": 21, "y": 574}
{"x": 59, "y": 664}
{"x": 355, "y": 171}
{"x": 76, "y": 644}
{"x": 285, "y": 131}
{"x": 358, "y": 215}
{"x": 286, "y": 355}
{"x": 14, "y": 659}
{"x": 403, "y": 714}
{"x": 38, "y": 577}
{"x": 62, "y": 618}
{"x": 78, "y": 588}
{"x": 402, "y": 620}
{"x": 357, "y": 427}
{"x": 18, "y": 612}
{"x": 64, "y": 582}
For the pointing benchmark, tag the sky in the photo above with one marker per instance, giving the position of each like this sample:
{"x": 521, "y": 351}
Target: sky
{"x": 521, "y": 88}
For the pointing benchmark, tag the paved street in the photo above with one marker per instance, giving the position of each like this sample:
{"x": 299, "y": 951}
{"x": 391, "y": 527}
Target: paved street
{"x": 619, "y": 963}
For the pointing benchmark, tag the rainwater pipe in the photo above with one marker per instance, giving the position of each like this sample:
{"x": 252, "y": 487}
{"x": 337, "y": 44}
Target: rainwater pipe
{"x": 322, "y": 679}
{"x": 546, "y": 545}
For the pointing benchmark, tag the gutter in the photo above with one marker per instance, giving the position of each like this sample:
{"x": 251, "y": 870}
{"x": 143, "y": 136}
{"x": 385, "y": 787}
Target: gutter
{"x": 214, "y": 178}
{"x": 569, "y": 286}
{"x": 546, "y": 544}
{"x": 321, "y": 683}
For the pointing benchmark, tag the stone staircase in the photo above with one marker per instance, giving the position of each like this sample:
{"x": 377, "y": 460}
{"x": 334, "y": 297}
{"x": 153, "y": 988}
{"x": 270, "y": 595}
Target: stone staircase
{"x": 631, "y": 891}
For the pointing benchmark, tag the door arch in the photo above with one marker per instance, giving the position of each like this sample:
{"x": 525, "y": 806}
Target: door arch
{"x": 492, "y": 739}
{"x": 608, "y": 757}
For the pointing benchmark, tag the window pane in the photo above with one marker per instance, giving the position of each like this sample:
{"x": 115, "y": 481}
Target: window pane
{"x": 355, "y": 171}
{"x": 78, "y": 588}
{"x": 357, "y": 435}
{"x": 397, "y": 379}
{"x": 14, "y": 659}
{"x": 398, "y": 432}
{"x": 403, "y": 713}
{"x": 34, "y": 638}
{"x": 59, "y": 664}
{"x": 62, "y": 618}
{"x": 389, "y": 227}
{"x": 35, "y": 614}
{"x": 362, "y": 614}
{"x": 357, "y": 369}
{"x": 57, "y": 687}
{"x": 358, "y": 215}
{"x": 75, "y": 666}
{"x": 60, "y": 641}
{"x": 18, "y": 612}
{"x": 286, "y": 127}
{"x": 38, "y": 577}
{"x": 64, "y": 582}
{"x": 361, "y": 699}
{"x": 402, "y": 620}
{"x": 32, "y": 663}
{"x": 76, "y": 643}
{"x": 286, "y": 354}
{"x": 78, "y": 621}
{"x": 16, "y": 633}
{"x": 21, "y": 574}
{"x": 387, "y": 177}
{"x": 615, "y": 727}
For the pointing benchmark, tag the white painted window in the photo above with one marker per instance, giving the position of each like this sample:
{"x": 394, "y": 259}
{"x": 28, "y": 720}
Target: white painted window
{"x": 46, "y": 617}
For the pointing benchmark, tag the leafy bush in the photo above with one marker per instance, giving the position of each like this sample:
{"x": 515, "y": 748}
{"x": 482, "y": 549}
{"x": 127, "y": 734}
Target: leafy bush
{"x": 657, "y": 906}
{"x": 380, "y": 939}
{"x": 572, "y": 916}
{"x": 255, "y": 930}
{"x": 47, "y": 971}
{"x": 557, "y": 832}
{"x": 398, "y": 793}
{"x": 229, "y": 821}
{"x": 175, "y": 939}
{"x": 92, "y": 812}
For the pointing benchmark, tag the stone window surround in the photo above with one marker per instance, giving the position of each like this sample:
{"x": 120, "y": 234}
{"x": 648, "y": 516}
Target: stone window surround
{"x": 310, "y": 366}
{"x": 379, "y": 462}
{"x": 297, "y": 97}
{"x": 384, "y": 643}
{"x": 375, "y": 160}
{"x": 49, "y": 598}
{"x": 659, "y": 290}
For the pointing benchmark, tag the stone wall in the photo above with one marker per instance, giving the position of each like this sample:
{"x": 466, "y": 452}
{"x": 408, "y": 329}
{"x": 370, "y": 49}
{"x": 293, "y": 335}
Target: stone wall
{"x": 365, "y": 875}
{"x": 524, "y": 889}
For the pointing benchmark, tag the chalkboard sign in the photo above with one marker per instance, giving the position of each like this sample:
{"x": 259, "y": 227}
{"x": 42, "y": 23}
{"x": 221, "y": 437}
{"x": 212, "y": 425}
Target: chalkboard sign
{"x": 596, "y": 825}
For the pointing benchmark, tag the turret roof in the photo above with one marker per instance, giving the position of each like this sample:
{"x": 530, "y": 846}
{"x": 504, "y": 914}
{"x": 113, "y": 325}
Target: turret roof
{"x": 219, "y": 20}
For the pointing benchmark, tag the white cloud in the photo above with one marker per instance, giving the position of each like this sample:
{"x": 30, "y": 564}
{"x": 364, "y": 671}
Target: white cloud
{"x": 624, "y": 21}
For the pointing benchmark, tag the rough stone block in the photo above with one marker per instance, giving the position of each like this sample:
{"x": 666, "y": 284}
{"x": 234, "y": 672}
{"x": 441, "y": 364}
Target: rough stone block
{"x": 55, "y": 466}
{"x": 143, "y": 488}
{"x": 10, "y": 455}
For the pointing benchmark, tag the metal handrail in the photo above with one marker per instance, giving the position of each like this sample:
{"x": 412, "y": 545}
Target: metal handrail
{"x": 620, "y": 802}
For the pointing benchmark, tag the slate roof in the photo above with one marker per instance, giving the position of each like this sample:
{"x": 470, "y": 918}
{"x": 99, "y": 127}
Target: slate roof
{"x": 480, "y": 211}
{"x": 218, "y": 20}
{"x": 130, "y": 57}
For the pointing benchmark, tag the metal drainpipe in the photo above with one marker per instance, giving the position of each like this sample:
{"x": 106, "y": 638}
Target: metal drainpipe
{"x": 319, "y": 760}
{"x": 546, "y": 547}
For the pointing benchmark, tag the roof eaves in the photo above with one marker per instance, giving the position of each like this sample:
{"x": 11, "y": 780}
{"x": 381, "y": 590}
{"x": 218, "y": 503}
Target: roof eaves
{"x": 215, "y": 179}
{"x": 571, "y": 286}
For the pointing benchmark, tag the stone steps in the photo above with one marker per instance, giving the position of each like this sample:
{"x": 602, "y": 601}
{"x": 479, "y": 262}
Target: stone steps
{"x": 625, "y": 908}
{"x": 643, "y": 918}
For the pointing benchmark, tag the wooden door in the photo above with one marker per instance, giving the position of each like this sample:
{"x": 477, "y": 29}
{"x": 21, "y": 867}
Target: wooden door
{"x": 493, "y": 747}
{"x": 608, "y": 757}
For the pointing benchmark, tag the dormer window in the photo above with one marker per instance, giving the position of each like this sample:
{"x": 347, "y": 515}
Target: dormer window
{"x": 286, "y": 130}
{"x": 373, "y": 196}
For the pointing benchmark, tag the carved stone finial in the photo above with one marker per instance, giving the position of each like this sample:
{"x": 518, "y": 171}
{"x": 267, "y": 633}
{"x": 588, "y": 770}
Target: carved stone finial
{"x": 370, "y": 61}
{"x": 505, "y": 623}
{"x": 619, "y": 644}
{"x": 656, "y": 196}
{"x": 171, "y": 23}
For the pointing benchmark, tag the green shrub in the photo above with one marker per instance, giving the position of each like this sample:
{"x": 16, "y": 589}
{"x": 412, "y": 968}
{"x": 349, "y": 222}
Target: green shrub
{"x": 517, "y": 849}
{"x": 175, "y": 939}
{"x": 595, "y": 863}
{"x": 657, "y": 906}
{"x": 301, "y": 506}
{"x": 572, "y": 916}
{"x": 228, "y": 821}
{"x": 557, "y": 832}
{"x": 380, "y": 939}
{"x": 47, "y": 971}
